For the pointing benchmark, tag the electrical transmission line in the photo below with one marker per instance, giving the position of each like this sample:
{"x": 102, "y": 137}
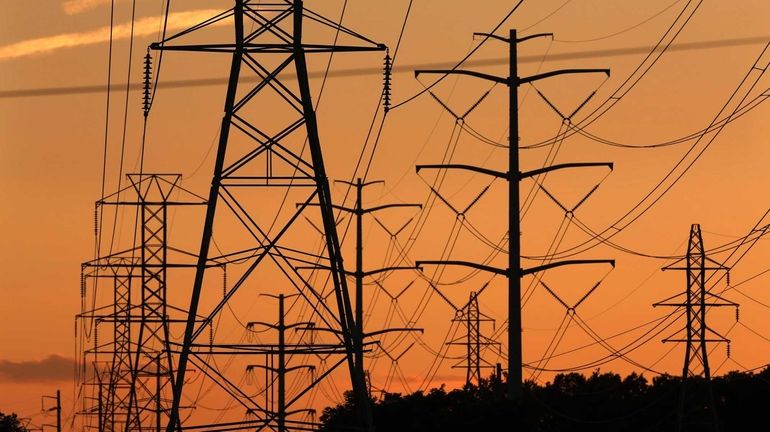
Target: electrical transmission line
{"x": 737, "y": 100}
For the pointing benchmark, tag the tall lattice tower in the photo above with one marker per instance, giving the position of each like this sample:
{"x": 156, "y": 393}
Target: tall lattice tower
{"x": 696, "y": 300}
{"x": 473, "y": 340}
{"x": 128, "y": 386}
{"x": 107, "y": 363}
{"x": 269, "y": 158}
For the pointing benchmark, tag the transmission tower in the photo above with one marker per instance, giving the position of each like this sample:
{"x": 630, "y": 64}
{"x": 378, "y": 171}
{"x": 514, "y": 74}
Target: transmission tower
{"x": 514, "y": 272}
{"x": 269, "y": 153}
{"x": 471, "y": 318}
{"x": 281, "y": 370}
{"x": 135, "y": 383}
{"x": 359, "y": 211}
{"x": 107, "y": 382}
{"x": 696, "y": 300}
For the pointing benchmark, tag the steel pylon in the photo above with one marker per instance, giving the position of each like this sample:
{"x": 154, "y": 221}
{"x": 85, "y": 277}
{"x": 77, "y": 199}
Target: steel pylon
{"x": 474, "y": 341}
{"x": 132, "y": 371}
{"x": 696, "y": 300}
{"x": 269, "y": 157}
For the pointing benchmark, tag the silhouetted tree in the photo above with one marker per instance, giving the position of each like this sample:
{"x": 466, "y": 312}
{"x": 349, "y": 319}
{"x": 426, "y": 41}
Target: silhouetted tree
{"x": 572, "y": 402}
{"x": 11, "y": 423}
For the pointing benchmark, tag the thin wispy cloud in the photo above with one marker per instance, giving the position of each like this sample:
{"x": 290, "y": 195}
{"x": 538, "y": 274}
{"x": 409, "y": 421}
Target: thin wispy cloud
{"x": 51, "y": 369}
{"x": 142, "y": 27}
{"x": 72, "y": 7}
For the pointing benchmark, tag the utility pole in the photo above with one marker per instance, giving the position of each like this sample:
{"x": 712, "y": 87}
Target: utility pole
{"x": 697, "y": 334}
{"x": 158, "y": 387}
{"x": 281, "y": 370}
{"x": 100, "y": 410}
{"x": 514, "y": 272}
{"x": 56, "y": 408}
{"x": 58, "y": 411}
{"x": 359, "y": 211}
{"x": 269, "y": 154}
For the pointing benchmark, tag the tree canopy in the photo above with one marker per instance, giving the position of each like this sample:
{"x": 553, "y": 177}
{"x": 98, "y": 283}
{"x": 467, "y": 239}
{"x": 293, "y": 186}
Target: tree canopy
{"x": 574, "y": 402}
{"x": 11, "y": 423}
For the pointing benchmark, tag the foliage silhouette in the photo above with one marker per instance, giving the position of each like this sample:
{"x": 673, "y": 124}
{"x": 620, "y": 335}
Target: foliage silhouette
{"x": 573, "y": 402}
{"x": 11, "y": 423}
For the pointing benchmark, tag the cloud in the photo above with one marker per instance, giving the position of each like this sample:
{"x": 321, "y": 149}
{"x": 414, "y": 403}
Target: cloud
{"x": 52, "y": 368}
{"x": 72, "y": 7}
{"x": 142, "y": 27}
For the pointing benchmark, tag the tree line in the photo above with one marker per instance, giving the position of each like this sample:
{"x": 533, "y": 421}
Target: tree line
{"x": 601, "y": 401}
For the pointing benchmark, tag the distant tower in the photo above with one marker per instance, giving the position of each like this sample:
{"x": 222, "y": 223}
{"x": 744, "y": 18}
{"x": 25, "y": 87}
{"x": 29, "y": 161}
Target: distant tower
{"x": 107, "y": 379}
{"x": 471, "y": 317}
{"x": 135, "y": 384}
{"x": 697, "y": 334}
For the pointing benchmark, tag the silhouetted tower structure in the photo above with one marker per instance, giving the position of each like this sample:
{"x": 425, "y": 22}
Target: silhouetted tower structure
{"x": 119, "y": 386}
{"x": 268, "y": 147}
{"x": 514, "y": 272}
{"x": 135, "y": 383}
{"x": 108, "y": 363}
{"x": 471, "y": 317}
{"x": 281, "y": 370}
{"x": 359, "y": 274}
{"x": 153, "y": 194}
{"x": 56, "y": 408}
{"x": 696, "y": 300}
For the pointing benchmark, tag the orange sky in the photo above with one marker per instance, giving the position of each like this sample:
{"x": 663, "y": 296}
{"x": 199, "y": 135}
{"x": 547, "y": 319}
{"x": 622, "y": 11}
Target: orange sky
{"x": 51, "y": 151}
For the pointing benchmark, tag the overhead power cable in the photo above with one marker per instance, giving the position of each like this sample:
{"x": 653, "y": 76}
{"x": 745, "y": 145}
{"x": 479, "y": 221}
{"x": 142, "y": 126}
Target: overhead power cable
{"x": 664, "y": 44}
{"x": 622, "y": 31}
{"x": 737, "y": 99}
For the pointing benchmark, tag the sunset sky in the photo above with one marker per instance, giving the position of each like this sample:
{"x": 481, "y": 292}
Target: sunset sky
{"x": 52, "y": 146}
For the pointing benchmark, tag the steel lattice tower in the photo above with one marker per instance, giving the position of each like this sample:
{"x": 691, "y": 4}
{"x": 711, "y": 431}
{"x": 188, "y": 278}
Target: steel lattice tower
{"x": 473, "y": 324}
{"x": 471, "y": 318}
{"x": 152, "y": 361}
{"x": 110, "y": 380}
{"x": 119, "y": 381}
{"x": 135, "y": 384}
{"x": 269, "y": 156}
{"x": 696, "y": 300}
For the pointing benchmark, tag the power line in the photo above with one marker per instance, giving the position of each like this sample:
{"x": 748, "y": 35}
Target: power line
{"x": 205, "y": 82}
{"x": 672, "y": 177}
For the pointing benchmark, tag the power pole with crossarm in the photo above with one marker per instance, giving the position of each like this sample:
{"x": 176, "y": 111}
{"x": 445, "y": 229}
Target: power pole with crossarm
{"x": 359, "y": 274}
{"x": 359, "y": 211}
{"x": 281, "y": 413}
{"x": 514, "y": 272}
